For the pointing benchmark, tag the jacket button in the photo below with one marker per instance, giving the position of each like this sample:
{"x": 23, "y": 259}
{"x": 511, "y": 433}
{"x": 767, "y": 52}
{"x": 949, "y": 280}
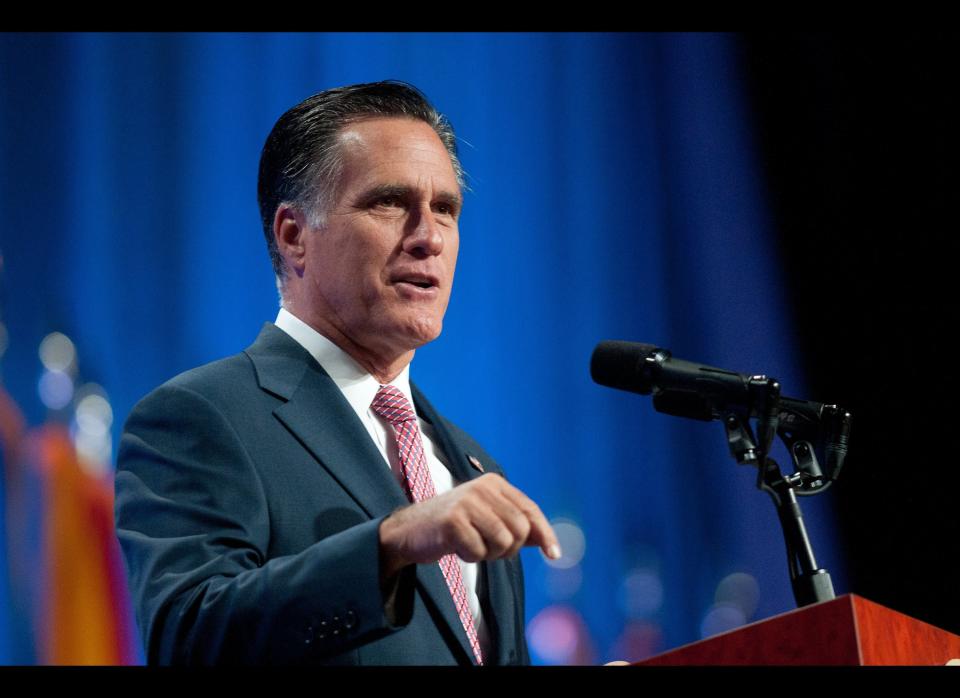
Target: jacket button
{"x": 350, "y": 620}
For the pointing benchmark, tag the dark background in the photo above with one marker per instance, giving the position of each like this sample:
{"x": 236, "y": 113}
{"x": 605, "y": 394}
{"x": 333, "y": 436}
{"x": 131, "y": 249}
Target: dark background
{"x": 859, "y": 146}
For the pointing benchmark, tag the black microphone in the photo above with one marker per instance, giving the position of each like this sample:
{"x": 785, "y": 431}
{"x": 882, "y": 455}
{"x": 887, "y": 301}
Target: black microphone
{"x": 680, "y": 388}
{"x": 687, "y": 389}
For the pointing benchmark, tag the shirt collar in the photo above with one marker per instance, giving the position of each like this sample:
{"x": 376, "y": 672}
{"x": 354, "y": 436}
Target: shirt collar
{"x": 358, "y": 386}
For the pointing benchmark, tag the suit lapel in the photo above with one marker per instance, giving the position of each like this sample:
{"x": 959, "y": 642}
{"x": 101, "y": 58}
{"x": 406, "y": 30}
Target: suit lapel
{"x": 456, "y": 454}
{"x": 319, "y": 416}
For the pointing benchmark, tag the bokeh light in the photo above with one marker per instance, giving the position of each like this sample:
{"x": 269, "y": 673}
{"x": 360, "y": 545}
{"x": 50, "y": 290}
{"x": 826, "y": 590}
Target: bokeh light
{"x": 558, "y": 635}
{"x": 57, "y": 353}
{"x": 94, "y": 414}
{"x": 721, "y": 618}
{"x": 55, "y": 389}
{"x": 572, "y": 542}
{"x": 735, "y": 601}
{"x": 639, "y": 640}
{"x": 741, "y": 591}
{"x": 641, "y": 593}
{"x": 91, "y": 429}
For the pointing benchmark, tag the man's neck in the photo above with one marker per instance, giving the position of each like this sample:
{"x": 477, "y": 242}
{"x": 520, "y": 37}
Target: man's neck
{"x": 383, "y": 368}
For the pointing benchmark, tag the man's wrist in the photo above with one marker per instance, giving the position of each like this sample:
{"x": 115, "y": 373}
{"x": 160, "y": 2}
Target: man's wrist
{"x": 391, "y": 561}
{"x": 394, "y": 580}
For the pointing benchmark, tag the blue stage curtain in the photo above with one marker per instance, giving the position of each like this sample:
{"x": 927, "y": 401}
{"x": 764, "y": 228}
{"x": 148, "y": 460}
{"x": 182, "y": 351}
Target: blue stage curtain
{"x": 614, "y": 194}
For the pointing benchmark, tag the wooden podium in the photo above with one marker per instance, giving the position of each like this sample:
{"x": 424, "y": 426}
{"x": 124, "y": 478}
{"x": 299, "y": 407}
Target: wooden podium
{"x": 847, "y": 631}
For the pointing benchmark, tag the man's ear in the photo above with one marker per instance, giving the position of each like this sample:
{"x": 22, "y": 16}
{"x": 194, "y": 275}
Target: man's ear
{"x": 289, "y": 228}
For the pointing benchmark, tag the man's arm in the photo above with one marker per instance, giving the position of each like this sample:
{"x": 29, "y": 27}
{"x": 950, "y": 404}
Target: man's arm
{"x": 194, "y": 528}
{"x": 484, "y": 519}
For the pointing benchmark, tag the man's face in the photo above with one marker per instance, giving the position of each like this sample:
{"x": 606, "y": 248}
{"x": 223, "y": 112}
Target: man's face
{"x": 381, "y": 267}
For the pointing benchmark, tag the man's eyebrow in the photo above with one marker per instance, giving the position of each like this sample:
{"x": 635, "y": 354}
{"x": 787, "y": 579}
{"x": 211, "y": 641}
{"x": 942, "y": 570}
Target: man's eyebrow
{"x": 382, "y": 190}
{"x": 454, "y": 200}
{"x": 404, "y": 191}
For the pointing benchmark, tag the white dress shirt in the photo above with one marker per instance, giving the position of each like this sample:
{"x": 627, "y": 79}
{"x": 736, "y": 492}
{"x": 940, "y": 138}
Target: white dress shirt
{"x": 359, "y": 388}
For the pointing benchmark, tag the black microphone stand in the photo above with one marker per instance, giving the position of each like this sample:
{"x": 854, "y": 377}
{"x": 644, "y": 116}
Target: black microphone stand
{"x": 810, "y": 583}
{"x": 705, "y": 393}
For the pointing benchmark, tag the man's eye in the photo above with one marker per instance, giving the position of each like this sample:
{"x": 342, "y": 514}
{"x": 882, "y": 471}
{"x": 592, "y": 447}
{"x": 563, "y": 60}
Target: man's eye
{"x": 389, "y": 201}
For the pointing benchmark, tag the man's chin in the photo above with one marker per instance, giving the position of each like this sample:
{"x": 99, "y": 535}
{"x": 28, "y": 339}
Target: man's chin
{"x": 418, "y": 334}
{"x": 400, "y": 332}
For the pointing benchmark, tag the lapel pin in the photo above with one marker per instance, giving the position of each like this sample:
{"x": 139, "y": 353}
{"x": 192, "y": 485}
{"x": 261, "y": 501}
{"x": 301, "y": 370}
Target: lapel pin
{"x": 475, "y": 462}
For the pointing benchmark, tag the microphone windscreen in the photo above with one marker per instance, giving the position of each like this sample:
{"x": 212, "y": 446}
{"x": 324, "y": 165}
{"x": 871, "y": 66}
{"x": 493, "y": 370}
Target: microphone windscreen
{"x": 618, "y": 364}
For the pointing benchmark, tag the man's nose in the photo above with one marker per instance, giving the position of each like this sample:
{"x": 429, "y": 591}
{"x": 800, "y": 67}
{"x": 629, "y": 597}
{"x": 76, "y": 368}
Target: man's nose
{"x": 425, "y": 236}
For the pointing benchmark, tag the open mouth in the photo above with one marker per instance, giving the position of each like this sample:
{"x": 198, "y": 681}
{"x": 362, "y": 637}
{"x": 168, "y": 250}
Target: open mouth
{"x": 417, "y": 287}
{"x": 419, "y": 281}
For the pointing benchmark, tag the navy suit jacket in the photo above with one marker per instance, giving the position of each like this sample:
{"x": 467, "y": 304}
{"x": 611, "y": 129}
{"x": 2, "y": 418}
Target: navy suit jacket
{"x": 248, "y": 501}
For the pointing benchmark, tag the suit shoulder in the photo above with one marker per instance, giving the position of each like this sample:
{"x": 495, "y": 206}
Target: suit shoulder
{"x": 220, "y": 383}
{"x": 222, "y": 373}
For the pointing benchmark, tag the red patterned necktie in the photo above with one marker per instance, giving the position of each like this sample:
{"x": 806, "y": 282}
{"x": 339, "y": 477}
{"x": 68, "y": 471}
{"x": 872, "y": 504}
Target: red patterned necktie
{"x": 391, "y": 404}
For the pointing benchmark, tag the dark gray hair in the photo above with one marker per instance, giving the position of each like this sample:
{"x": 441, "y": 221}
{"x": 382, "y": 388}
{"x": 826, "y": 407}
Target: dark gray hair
{"x": 301, "y": 161}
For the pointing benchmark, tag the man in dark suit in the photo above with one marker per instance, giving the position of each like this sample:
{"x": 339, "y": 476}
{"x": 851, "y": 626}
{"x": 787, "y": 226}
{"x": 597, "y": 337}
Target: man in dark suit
{"x": 302, "y": 501}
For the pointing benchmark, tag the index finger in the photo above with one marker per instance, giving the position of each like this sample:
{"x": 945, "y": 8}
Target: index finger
{"x": 541, "y": 532}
